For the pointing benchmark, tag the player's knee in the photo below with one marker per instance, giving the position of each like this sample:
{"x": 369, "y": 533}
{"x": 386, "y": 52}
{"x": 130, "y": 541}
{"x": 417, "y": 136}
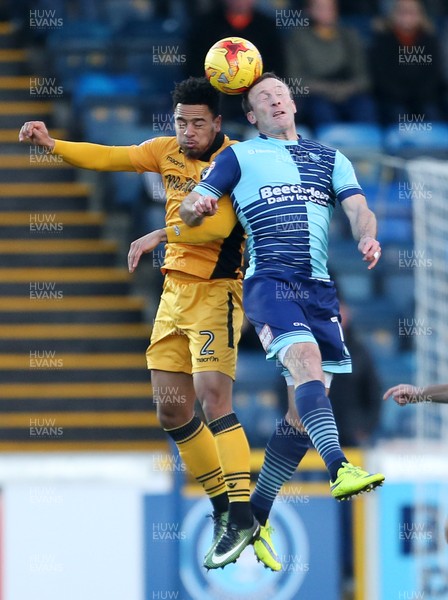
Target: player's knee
{"x": 215, "y": 403}
{"x": 171, "y": 417}
{"x": 304, "y": 363}
{"x": 214, "y": 392}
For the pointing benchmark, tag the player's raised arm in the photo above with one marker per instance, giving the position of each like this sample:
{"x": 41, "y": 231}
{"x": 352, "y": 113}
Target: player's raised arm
{"x": 79, "y": 154}
{"x": 36, "y": 132}
{"x": 404, "y": 393}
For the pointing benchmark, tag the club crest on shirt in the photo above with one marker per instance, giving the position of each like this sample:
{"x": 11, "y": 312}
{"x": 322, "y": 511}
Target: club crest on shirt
{"x": 315, "y": 157}
{"x": 207, "y": 170}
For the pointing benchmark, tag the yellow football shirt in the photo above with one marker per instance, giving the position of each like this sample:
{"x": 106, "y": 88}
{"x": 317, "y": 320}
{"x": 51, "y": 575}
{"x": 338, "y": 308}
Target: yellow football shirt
{"x": 216, "y": 259}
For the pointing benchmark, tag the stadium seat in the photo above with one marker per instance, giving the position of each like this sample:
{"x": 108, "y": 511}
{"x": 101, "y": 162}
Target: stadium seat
{"x": 361, "y": 23}
{"x": 153, "y": 50}
{"x": 344, "y": 257}
{"x": 399, "y": 288}
{"x": 100, "y": 117}
{"x": 127, "y": 189}
{"x": 395, "y": 230}
{"x": 389, "y": 199}
{"x": 368, "y": 171}
{"x": 95, "y": 85}
{"x": 356, "y": 287}
{"x": 372, "y": 316}
{"x": 117, "y": 12}
{"x": 70, "y": 62}
{"x": 380, "y": 342}
{"x": 170, "y": 30}
{"x": 351, "y": 137}
{"x": 128, "y": 133}
{"x": 414, "y": 139}
{"x": 80, "y": 32}
{"x": 396, "y": 422}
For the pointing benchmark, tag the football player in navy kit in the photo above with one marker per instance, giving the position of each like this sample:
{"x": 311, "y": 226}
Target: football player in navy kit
{"x": 284, "y": 189}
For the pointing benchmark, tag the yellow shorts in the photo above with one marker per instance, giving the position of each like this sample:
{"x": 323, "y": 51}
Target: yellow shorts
{"x": 197, "y": 326}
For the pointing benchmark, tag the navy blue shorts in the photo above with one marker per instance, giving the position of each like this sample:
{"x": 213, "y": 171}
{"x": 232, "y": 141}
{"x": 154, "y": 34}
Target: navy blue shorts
{"x": 286, "y": 308}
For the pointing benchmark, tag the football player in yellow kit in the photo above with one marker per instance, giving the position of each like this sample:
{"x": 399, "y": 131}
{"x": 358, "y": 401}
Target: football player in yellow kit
{"x": 193, "y": 347}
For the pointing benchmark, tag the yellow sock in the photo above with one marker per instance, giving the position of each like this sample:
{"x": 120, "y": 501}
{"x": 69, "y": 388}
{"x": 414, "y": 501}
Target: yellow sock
{"x": 197, "y": 449}
{"x": 234, "y": 455}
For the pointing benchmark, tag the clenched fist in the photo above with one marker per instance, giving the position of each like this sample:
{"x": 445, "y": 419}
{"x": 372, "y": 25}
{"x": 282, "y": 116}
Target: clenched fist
{"x": 36, "y": 132}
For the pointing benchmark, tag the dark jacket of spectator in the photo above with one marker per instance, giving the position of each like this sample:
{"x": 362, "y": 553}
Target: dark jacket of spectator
{"x": 406, "y": 65}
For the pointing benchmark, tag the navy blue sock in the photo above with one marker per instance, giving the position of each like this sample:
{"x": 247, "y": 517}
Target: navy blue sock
{"x": 315, "y": 411}
{"x": 284, "y": 451}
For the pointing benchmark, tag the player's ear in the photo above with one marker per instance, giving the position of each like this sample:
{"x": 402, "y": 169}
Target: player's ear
{"x": 251, "y": 117}
{"x": 218, "y": 122}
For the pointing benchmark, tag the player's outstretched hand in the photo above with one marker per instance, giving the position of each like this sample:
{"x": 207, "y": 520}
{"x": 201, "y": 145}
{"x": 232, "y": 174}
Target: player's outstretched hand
{"x": 403, "y": 393}
{"x": 205, "y": 206}
{"x": 36, "y": 132}
{"x": 370, "y": 249}
{"x": 143, "y": 245}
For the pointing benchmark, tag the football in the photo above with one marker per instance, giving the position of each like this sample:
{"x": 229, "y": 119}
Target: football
{"x": 232, "y": 65}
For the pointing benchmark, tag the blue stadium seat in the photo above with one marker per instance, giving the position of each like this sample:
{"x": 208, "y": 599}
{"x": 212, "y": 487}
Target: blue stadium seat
{"x": 389, "y": 199}
{"x": 148, "y": 30}
{"x": 153, "y": 50}
{"x": 97, "y": 85}
{"x": 362, "y": 24}
{"x": 129, "y": 133}
{"x": 393, "y": 253}
{"x": 399, "y": 288}
{"x": 396, "y": 422}
{"x": 415, "y": 138}
{"x": 74, "y": 59}
{"x": 381, "y": 343}
{"x": 368, "y": 171}
{"x": 395, "y": 230}
{"x": 351, "y": 136}
{"x": 344, "y": 256}
{"x": 80, "y": 33}
{"x": 127, "y": 189}
{"x": 100, "y": 117}
{"x": 117, "y": 12}
{"x": 356, "y": 286}
{"x": 374, "y": 315}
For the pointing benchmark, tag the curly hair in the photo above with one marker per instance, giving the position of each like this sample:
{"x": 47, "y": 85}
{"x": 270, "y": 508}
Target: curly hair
{"x": 197, "y": 90}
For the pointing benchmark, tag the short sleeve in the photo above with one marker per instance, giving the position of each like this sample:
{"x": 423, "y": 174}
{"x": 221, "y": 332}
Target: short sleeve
{"x": 345, "y": 183}
{"x": 221, "y": 177}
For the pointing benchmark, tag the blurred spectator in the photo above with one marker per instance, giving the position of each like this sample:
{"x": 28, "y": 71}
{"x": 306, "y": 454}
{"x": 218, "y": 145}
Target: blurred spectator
{"x": 348, "y": 7}
{"x": 434, "y": 8}
{"x": 330, "y": 60}
{"x": 240, "y": 18}
{"x": 356, "y": 397}
{"x": 358, "y": 7}
{"x": 406, "y": 64}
